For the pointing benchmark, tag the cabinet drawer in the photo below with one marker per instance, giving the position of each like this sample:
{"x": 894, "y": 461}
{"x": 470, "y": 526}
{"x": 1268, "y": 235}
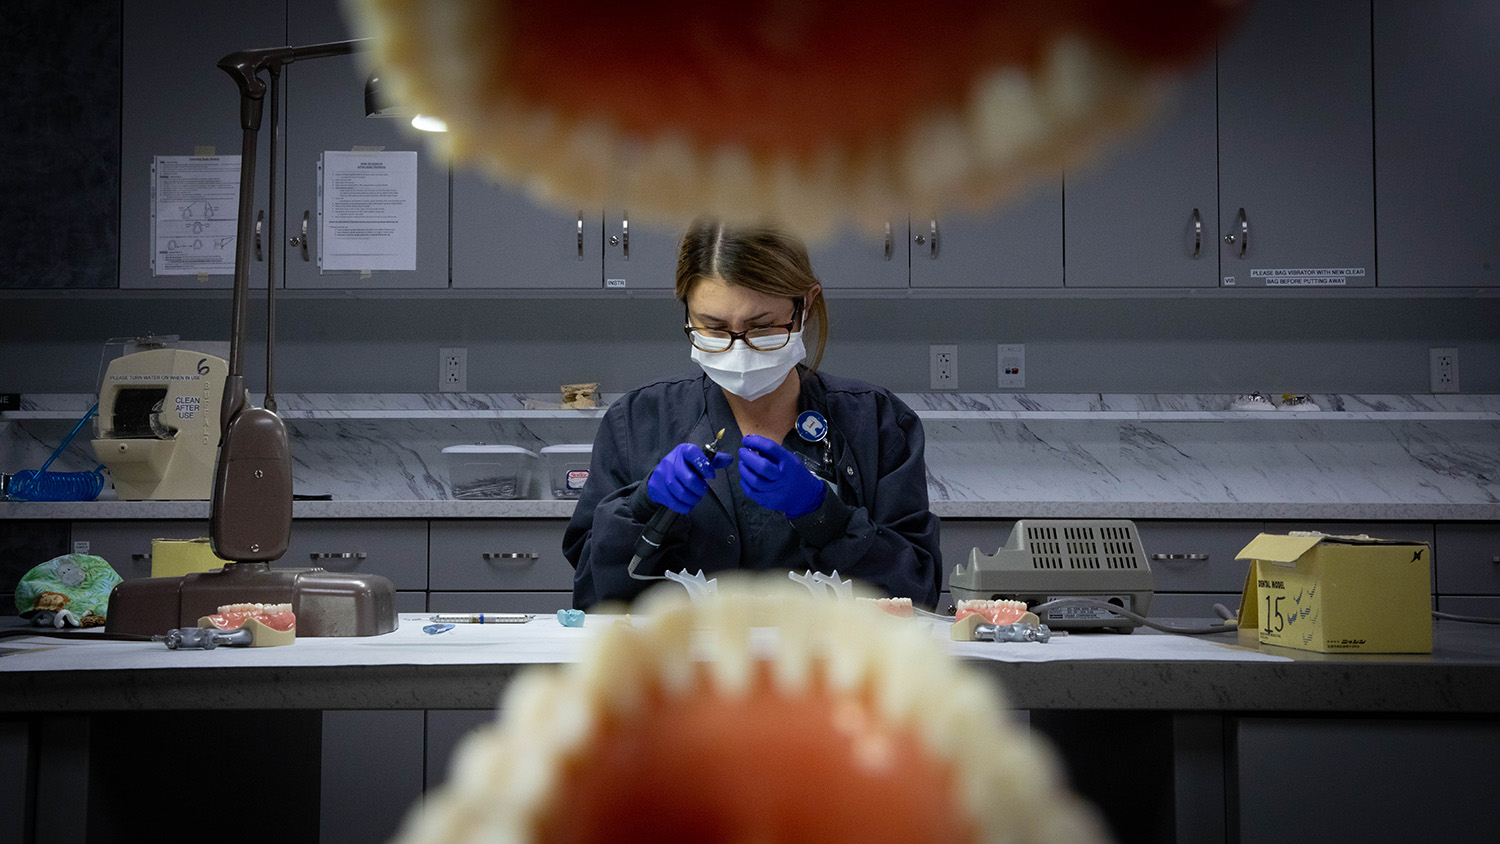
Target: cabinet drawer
{"x": 509, "y": 555}
{"x": 1471, "y": 559}
{"x": 394, "y": 548}
{"x": 126, "y": 544}
{"x": 1196, "y": 556}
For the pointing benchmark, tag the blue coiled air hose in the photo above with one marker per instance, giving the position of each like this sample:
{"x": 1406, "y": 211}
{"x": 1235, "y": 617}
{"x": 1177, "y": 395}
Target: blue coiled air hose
{"x": 42, "y": 485}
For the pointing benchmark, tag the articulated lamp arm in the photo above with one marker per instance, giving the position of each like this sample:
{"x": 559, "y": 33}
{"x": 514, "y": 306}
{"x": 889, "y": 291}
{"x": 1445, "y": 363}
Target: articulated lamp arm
{"x": 251, "y": 510}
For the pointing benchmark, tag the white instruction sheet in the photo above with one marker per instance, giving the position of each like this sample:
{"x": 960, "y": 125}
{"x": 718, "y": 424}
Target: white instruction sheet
{"x": 367, "y": 211}
{"x": 194, "y": 210}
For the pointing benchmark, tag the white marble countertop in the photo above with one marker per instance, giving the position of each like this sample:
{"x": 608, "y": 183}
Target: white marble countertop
{"x": 989, "y": 455}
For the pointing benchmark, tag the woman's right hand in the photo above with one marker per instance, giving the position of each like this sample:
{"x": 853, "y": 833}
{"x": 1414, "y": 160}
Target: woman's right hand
{"x": 681, "y": 478}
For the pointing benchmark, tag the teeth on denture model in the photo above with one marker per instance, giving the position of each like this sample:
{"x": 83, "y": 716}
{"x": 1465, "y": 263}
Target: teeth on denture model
{"x": 808, "y": 113}
{"x": 838, "y": 723}
{"x": 994, "y": 612}
{"x": 234, "y": 616}
{"x": 899, "y": 607}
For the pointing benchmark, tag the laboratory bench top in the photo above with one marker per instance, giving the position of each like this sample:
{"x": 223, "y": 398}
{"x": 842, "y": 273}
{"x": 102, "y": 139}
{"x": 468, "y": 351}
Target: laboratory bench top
{"x": 560, "y": 509}
{"x": 469, "y": 667}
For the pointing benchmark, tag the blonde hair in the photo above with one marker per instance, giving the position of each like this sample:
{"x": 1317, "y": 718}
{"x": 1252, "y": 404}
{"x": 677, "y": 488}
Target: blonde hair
{"x": 759, "y": 258}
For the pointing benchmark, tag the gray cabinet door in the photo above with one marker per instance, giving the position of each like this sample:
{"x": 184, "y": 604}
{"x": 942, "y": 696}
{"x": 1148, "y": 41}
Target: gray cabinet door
{"x": 1196, "y": 557}
{"x": 371, "y": 773}
{"x": 1295, "y": 146}
{"x": 176, "y": 101}
{"x": 392, "y": 548}
{"x": 1017, "y": 244}
{"x": 1437, "y": 118}
{"x": 325, "y": 111}
{"x": 503, "y": 555}
{"x": 639, "y": 255}
{"x": 860, "y": 260}
{"x": 504, "y": 238}
{"x": 1470, "y": 559}
{"x": 1145, "y": 213}
{"x": 126, "y": 544}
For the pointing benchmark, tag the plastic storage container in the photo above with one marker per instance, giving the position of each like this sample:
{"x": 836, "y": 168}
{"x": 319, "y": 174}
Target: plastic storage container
{"x": 489, "y": 471}
{"x": 567, "y": 467}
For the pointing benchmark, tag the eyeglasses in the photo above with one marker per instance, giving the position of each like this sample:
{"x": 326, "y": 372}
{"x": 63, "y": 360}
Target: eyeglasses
{"x": 766, "y": 338}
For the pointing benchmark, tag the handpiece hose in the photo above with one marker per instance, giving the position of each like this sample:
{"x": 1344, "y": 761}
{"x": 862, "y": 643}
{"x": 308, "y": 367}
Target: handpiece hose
{"x": 649, "y": 543}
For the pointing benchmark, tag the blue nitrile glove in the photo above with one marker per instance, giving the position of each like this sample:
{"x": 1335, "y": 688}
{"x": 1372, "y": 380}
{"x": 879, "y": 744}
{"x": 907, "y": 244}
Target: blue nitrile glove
{"x": 776, "y": 479}
{"x": 680, "y": 479}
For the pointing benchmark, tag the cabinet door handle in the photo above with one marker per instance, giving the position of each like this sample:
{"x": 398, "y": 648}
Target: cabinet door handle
{"x": 622, "y": 239}
{"x": 338, "y": 555}
{"x": 260, "y": 218}
{"x": 890, "y": 244}
{"x": 142, "y": 557}
{"x": 1244, "y": 235}
{"x": 511, "y": 555}
{"x": 580, "y": 234}
{"x": 1197, "y": 234}
{"x": 1193, "y": 557}
{"x": 301, "y": 240}
{"x": 931, "y": 242}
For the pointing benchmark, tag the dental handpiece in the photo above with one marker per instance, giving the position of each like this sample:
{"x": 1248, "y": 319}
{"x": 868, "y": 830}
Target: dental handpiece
{"x": 661, "y": 522}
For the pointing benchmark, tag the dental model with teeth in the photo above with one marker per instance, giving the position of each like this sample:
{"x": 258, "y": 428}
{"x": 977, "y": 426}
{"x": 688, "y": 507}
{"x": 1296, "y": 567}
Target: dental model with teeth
{"x": 771, "y": 718}
{"x": 809, "y": 113}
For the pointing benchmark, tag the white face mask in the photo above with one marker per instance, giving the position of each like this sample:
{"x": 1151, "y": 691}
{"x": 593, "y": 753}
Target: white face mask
{"x": 748, "y": 373}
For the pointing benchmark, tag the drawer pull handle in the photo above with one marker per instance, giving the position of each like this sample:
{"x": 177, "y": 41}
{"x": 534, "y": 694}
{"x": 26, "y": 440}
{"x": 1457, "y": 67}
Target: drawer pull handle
{"x": 339, "y": 555}
{"x": 148, "y": 556}
{"x": 492, "y": 555}
{"x": 1193, "y": 557}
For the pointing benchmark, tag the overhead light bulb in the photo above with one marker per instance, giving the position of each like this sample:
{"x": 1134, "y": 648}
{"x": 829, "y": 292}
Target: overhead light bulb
{"x": 428, "y": 123}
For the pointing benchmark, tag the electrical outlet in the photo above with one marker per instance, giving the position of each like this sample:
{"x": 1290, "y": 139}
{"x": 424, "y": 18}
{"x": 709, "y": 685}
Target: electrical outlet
{"x": 1442, "y": 370}
{"x": 943, "y": 365}
{"x": 1012, "y": 357}
{"x": 453, "y": 370}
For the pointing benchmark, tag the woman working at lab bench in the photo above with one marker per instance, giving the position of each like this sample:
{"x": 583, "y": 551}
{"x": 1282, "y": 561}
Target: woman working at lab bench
{"x": 846, "y": 490}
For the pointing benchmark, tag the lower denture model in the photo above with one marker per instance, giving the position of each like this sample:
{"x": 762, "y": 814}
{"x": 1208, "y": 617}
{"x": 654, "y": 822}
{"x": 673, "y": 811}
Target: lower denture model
{"x": 842, "y": 725}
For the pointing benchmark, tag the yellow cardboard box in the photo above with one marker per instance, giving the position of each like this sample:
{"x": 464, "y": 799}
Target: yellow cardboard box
{"x": 176, "y": 557}
{"x": 1336, "y": 594}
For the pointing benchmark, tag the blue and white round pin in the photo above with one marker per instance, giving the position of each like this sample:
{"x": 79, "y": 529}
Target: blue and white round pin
{"x": 811, "y": 426}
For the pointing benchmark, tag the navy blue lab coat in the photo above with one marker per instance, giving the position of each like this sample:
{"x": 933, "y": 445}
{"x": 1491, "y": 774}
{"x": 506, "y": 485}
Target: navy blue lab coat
{"x": 877, "y": 528}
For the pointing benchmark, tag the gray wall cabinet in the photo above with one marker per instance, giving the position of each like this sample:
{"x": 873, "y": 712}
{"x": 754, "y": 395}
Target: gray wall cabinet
{"x": 325, "y": 111}
{"x": 1019, "y": 244}
{"x": 503, "y": 238}
{"x": 855, "y": 259}
{"x": 639, "y": 255}
{"x": 1146, "y": 213}
{"x": 174, "y": 101}
{"x": 1437, "y": 118}
{"x": 1296, "y": 145}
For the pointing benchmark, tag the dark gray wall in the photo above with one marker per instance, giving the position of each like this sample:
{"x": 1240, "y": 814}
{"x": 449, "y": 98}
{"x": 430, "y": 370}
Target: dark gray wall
{"x": 1072, "y": 345}
{"x": 60, "y": 143}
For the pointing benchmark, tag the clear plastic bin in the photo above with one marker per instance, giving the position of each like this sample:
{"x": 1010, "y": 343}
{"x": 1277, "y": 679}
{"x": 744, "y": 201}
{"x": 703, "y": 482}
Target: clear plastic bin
{"x": 489, "y": 471}
{"x": 567, "y": 467}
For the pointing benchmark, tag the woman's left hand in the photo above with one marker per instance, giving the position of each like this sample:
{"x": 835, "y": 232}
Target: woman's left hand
{"x": 776, "y": 479}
